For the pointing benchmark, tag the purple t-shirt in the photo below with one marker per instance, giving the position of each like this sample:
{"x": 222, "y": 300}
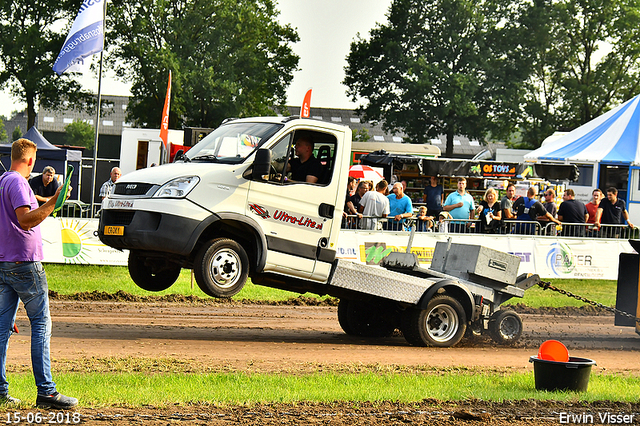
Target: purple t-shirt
{"x": 17, "y": 245}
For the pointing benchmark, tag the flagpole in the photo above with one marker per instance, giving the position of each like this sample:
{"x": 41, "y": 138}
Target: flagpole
{"x": 95, "y": 144}
{"x": 97, "y": 122}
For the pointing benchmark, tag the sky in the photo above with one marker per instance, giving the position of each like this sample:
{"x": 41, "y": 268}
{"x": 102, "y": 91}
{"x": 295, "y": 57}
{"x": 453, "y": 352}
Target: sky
{"x": 326, "y": 29}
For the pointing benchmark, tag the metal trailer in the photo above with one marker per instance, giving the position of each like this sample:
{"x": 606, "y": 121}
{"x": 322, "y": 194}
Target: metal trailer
{"x": 459, "y": 295}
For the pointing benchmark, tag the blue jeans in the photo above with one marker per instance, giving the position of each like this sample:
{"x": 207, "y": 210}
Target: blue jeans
{"x": 27, "y": 282}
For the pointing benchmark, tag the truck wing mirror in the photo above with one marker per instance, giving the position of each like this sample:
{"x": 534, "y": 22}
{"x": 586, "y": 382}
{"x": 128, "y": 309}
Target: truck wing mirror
{"x": 262, "y": 164}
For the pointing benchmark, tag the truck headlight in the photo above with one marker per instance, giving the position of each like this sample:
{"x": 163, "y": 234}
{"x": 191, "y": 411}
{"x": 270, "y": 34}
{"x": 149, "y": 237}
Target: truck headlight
{"x": 177, "y": 188}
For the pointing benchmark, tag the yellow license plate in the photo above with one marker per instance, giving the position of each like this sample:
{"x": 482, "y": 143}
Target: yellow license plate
{"x": 114, "y": 230}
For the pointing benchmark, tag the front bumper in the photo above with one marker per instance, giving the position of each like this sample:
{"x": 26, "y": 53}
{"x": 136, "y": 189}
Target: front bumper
{"x": 149, "y": 231}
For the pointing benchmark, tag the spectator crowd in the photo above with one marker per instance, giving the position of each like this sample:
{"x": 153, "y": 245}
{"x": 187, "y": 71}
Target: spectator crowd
{"x": 389, "y": 208}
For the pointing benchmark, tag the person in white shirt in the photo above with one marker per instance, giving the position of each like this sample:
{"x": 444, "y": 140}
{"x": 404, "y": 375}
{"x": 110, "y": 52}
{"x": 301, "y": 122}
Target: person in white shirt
{"x": 374, "y": 204}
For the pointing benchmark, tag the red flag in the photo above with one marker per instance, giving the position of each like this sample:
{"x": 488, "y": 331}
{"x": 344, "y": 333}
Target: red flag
{"x": 164, "y": 127}
{"x": 305, "y": 110}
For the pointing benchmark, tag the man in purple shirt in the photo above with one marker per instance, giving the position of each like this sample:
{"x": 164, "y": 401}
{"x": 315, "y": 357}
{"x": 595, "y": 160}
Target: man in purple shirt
{"x": 22, "y": 276}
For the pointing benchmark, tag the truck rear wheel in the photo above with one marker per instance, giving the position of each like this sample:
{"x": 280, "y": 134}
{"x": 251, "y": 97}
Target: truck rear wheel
{"x": 221, "y": 268}
{"x": 442, "y": 323}
{"x": 366, "y": 319}
{"x": 343, "y": 316}
{"x": 152, "y": 275}
{"x": 505, "y": 327}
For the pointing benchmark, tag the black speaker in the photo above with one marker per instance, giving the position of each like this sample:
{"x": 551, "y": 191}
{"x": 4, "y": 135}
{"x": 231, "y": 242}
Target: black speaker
{"x": 627, "y": 293}
{"x": 193, "y": 135}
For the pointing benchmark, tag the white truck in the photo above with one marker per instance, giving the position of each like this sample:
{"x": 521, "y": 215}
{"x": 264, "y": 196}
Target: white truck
{"x": 229, "y": 210}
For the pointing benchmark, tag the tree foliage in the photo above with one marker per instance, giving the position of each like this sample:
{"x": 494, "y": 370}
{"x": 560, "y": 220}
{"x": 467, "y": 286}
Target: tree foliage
{"x": 80, "y": 133}
{"x": 510, "y": 70}
{"x": 229, "y": 58}
{"x": 17, "y": 133}
{"x": 3, "y": 131}
{"x": 360, "y": 135}
{"x": 437, "y": 67}
{"x": 29, "y": 45}
{"x": 584, "y": 59}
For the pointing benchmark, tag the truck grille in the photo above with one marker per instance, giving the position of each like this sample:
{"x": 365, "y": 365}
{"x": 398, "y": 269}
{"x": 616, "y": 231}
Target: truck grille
{"x": 132, "y": 188}
{"x": 121, "y": 218}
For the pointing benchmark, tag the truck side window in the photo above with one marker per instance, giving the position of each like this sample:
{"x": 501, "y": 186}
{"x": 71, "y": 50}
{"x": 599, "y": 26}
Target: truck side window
{"x": 279, "y": 159}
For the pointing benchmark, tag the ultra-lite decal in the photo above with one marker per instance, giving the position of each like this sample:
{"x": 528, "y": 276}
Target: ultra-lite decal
{"x": 283, "y": 216}
{"x": 300, "y": 221}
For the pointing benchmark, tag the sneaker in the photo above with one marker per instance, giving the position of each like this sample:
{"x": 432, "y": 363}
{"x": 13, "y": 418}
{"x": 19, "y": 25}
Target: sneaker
{"x": 56, "y": 400}
{"x": 8, "y": 399}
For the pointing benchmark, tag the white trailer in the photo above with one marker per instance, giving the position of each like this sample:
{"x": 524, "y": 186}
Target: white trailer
{"x": 140, "y": 148}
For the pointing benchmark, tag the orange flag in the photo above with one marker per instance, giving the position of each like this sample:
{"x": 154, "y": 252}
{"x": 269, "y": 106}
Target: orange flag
{"x": 305, "y": 110}
{"x": 164, "y": 127}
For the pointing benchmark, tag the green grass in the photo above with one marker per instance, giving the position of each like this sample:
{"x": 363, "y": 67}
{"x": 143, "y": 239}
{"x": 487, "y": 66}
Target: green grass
{"x": 602, "y": 291}
{"x": 137, "y": 389}
{"x": 69, "y": 279}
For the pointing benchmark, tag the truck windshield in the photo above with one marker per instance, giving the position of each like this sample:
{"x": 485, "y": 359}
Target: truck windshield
{"x": 232, "y": 142}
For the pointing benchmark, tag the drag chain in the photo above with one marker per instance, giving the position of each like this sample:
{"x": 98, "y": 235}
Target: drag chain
{"x": 547, "y": 286}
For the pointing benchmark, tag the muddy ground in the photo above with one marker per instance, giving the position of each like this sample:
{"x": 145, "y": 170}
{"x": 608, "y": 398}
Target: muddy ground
{"x": 97, "y": 332}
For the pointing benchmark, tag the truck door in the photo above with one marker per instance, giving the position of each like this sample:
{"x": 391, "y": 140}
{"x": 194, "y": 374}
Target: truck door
{"x": 297, "y": 216}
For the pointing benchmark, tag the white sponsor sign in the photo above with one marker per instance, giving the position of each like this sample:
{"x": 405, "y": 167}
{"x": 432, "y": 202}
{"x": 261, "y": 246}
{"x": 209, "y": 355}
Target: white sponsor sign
{"x": 69, "y": 240}
{"x": 548, "y": 257}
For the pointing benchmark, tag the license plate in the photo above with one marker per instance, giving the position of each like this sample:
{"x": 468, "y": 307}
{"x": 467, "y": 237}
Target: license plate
{"x": 114, "y": 230}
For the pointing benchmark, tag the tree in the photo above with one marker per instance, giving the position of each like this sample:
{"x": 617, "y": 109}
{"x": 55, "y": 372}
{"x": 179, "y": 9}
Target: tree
{"x": 28, "y": 47}
{"x": 80, "y": 133}
{"x": 584, "y": 59}
{"x": 229, "y": 58}
{"x": 438, "y": 67}
{"x": 3, "y": 131}
{"x": 17, "y": 133}
{"x": 360, "y": 135}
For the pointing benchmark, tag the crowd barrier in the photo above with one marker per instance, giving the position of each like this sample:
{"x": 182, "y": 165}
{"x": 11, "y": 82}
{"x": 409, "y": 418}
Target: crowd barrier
{"x": 472, "y": 226}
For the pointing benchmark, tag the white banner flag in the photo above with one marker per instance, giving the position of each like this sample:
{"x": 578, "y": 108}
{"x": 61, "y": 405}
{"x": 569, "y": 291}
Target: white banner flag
{"x": 85, "y": 37}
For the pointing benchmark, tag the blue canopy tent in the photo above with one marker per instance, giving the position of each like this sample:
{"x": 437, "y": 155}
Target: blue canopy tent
{"x": 48, "y": 155}
{"x": 607, "y": 151}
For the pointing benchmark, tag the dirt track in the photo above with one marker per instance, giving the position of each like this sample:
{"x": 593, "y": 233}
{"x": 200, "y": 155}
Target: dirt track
{"x": 303, "y": 338}
{"x": 280, "y": 338}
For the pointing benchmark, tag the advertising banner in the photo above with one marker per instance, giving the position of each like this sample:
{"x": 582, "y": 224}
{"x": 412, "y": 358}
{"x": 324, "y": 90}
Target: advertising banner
{"x": 549, "y": 257}
{"x": 73, "y": 240}
{"x": 69, "y": 240}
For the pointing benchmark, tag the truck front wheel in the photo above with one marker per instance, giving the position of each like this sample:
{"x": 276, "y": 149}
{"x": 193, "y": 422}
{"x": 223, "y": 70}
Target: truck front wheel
{"x": 442, "y": 323}
{"x": 152, "y": 274}
{"x": 221, "y": 268}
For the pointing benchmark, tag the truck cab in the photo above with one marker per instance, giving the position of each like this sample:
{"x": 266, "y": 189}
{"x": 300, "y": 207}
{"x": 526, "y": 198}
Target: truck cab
{"x": 230, "y": 208}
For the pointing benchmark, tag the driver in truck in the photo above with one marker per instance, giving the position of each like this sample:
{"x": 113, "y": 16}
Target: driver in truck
{"x": 305, "y": 167}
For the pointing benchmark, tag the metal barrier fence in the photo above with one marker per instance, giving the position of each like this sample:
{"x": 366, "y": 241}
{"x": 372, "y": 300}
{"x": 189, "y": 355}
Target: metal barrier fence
{"x": 472, "y": 226}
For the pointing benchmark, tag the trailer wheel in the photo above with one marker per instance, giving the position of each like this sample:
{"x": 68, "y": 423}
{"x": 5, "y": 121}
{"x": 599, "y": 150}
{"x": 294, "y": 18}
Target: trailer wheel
{"x": 221, "y": 268}
{"x": 366, "y": 319}
{"x": 505, "y": 327}
{"x": 442, "y": 323}
{"x": 152, "y": 275}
